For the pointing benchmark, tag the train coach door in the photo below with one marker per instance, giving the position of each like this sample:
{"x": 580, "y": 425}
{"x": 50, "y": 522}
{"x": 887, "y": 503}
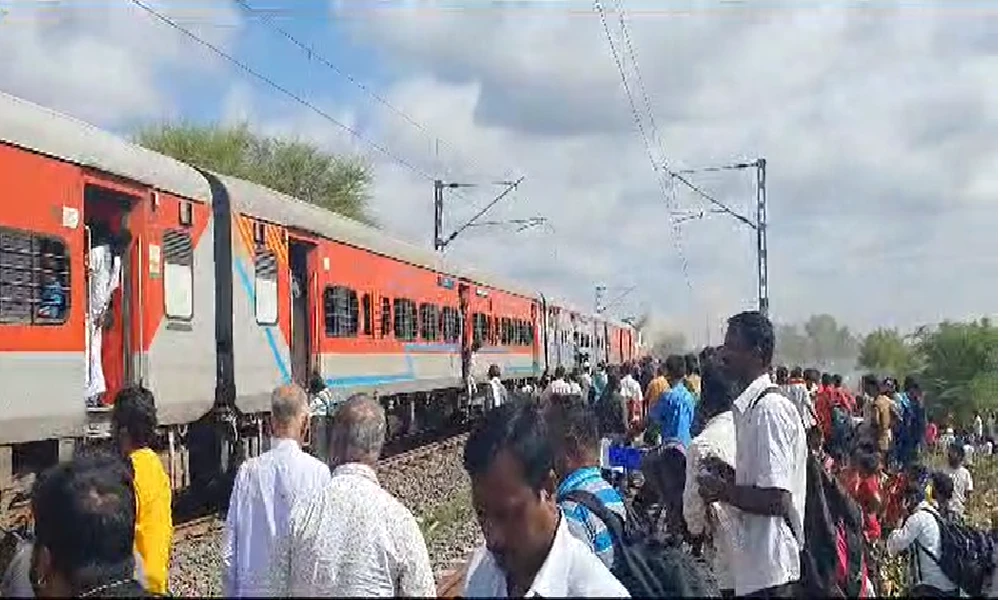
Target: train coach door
{"x": 114, "y": 232}
{"x": 303, "y": 286}
{"x": 466, "y": 344}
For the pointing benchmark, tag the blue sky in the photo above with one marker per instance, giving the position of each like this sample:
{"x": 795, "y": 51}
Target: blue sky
{"x": 879, "y": 125}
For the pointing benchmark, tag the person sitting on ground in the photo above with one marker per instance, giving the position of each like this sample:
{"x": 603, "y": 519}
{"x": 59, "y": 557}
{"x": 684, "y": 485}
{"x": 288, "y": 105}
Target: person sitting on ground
{"x": 352, "y": 537}
{"x": 921, "y": 533}
{"x": 576, "y": 443}
{"x": 717, "y": 441}
{"x": 961, "y": 478}
{"x": 133, "y": 423}
{"x": 529, "y": 550}
{"x": 264, "y": 492}
{"x": 85, "y": 525}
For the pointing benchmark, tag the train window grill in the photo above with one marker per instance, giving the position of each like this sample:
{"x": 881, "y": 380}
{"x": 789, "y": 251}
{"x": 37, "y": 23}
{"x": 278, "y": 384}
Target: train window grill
{"x": 404, "y": 319}
{"x": 480, "y": 328}
{"x": 340, "y": 312}
{"x": 34, "y": 279}
{"x": 505, "y": 331}
{"x": 366, "y": 314}
{"x": 451, "y": 324}
{"x": 178, "y": 274}
{"x": 266, "y": 288}
{"x": 429, "y": 322}
{"x": 385, "y": 318}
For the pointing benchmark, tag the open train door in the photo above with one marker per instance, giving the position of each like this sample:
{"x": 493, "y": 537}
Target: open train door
{"x": 304, "y": 291}
{"x": 466, "y": 343}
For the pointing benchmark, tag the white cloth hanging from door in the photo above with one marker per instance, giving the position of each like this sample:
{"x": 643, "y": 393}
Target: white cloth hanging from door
{"x": 104, "y": 279}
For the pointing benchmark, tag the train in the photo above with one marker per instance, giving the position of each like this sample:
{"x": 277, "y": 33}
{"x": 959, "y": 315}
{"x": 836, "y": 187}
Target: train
{"x": 229, "y": 288}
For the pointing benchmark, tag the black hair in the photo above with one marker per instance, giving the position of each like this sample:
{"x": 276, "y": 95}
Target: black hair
{"x": 493, "y": 371}
{"x": 717, "y": 390}
{"x": 796, "y": 373}
{"x": 811, "y": 375}
{"x": 692, "y": 365}
{"x": 958, "y": 450}
{"x": 944, "y": 486}
{"x": 825, "y": 379}
{"x": 911, "y": 384}
{"x": 84, "y": 513}
{"x": 135, "y": 412}
{"x": 756, "y": 331}
{"x": 781, "y": 374}
{"x": 867, "y": 462}
{"x": 518, "y": 428}
{"x": 316, "y": 383}
{"x": 706, "y": 354}
{"x": 560, "y": 372}
{"x": 675, "y": 366}
{"x": 574, "y": 427}
{"x": 837, "y": 380}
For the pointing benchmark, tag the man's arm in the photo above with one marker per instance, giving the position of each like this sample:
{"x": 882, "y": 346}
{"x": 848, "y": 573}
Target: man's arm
{"x": 902, "y": 538}
{"x": 693, "y": 506}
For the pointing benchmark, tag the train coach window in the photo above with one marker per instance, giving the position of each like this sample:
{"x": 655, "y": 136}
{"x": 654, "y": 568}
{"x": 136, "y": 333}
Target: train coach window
{"x": 506, "y": 332}
{"x": 366, "y": 314}
{"x": 34, "y": 279}
{"x": 480, "y": 328}
{"x": 178, "y": 275}
{"x": 340, "y": 311}
{"x": 265, "y": 267}
{"x": 429, "y": 322}
{"x": 385, "y": 317}
{"x": 404, "y": 319}
{"x": 451, "y": 324}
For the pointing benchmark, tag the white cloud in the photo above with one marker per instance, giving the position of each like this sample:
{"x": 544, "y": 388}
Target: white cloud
{"x": 104, "y": 62}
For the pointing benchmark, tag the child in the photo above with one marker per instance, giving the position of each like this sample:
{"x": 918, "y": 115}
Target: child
{"x": 960, "y": 477}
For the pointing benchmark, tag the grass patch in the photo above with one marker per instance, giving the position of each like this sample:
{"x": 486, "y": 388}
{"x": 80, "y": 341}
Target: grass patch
{"x": 438, "y": 522}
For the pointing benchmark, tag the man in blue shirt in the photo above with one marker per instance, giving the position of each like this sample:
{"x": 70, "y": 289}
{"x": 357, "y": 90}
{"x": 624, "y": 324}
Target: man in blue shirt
{"x": 576, "y": 442}
{"x": 673, "y": 414}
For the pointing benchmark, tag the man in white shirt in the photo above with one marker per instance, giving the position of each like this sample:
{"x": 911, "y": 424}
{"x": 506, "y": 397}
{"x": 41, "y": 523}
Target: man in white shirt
{"x": 529, "y": 549}
{"x": 960, "y": 477}
{"x": 497, "y": 392}
{"x": 264, "y": 492}
{"x": 558, "y": 385}
{"x": 715, "y": 522}
{"x": 352, "y": 538}
{"x": 104, "y": 276}
{"x": 769, "y": 483}
{"x": 922, "y": 533}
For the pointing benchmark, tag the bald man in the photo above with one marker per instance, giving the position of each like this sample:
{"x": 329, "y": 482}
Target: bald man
{"x": 353, "y": 538}
{"x": 265, "y": 490}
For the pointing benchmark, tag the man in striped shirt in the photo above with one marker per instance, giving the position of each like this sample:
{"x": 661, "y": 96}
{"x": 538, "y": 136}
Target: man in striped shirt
{"x": 577, "y": 447}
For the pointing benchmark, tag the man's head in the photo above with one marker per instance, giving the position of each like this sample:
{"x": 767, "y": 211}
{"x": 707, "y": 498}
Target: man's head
{"x": 811, "y": 376}
{"x": 691, "y": 365}
{"x": 289, "y": 413}
{"x": 675, "y": 367}
{"x": 837, "y": 380}
{"x": 943, "y": 487}
{"x": 493, "y": 372}
{"x": 717, "y": 390}
{"x": 749, "y": 346}
{"x": 133, "y": 419}
{"x": 781, "y": 375}
{"x": 358, "y": 431}
{"x": 826, "y": 379}
{"x": 796, "y": 373}
{"x": 956, "y": 455}
{"x": 84, "y": 513}
{"x": 575, "y": 435}
{"x": 911, "y": 385}
{"x": 560, "y": 372}
{"x": 316, "y": 383}
{"x": 510, "y": 460}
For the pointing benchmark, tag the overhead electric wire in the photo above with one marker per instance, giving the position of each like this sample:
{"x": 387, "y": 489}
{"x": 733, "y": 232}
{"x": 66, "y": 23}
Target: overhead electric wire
{"x": 297, "y": 98}
{"x": 660, "y": 179}
{"x": 312, "y": 53}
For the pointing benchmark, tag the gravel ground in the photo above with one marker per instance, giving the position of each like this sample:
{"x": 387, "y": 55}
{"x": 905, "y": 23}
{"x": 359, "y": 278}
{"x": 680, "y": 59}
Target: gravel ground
{"x": 435, "y": 488}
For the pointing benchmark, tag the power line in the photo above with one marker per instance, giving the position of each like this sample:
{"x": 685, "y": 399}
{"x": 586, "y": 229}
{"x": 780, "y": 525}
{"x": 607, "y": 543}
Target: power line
{"x": 247, "y": 69}
{"x": 312, "y": 53}
{"x": 660, "y": 179}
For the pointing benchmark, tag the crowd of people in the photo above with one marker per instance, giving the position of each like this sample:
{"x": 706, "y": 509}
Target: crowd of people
{"x": 781, "y": 480}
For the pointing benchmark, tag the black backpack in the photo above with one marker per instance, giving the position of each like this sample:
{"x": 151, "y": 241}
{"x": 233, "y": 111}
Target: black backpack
{"x": 968, "y": 555}
{"x": 648, "y": 568}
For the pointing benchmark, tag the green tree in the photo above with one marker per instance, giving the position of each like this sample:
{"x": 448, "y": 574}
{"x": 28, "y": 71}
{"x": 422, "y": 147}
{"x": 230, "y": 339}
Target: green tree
{"x": 791, "y": 347}
{"x": 887, "y": 352}
{"x": 829, "y": 342}
{"x": 337, "y": 183}
{"x": 960, "y": 372}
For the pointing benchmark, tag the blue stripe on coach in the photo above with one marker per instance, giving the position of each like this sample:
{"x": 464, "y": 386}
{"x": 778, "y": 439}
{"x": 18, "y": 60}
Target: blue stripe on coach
{"x": 248, "y": 287}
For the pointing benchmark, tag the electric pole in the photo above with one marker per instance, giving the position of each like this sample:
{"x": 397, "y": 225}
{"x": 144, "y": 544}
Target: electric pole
{"x": 439, "y": 186}
{"x": 759, "y": 224}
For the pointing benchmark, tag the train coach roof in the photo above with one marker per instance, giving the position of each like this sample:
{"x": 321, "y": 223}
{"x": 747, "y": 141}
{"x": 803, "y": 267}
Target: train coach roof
{"x": 264, "y": 203}
{"x": 51, "y": 133}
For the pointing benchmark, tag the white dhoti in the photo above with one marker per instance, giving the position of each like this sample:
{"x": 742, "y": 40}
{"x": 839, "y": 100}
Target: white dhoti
{"x": 104, "y": 277}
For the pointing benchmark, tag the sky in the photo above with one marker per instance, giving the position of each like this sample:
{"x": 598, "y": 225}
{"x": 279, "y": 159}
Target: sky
{"x": 878, "y": 121}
